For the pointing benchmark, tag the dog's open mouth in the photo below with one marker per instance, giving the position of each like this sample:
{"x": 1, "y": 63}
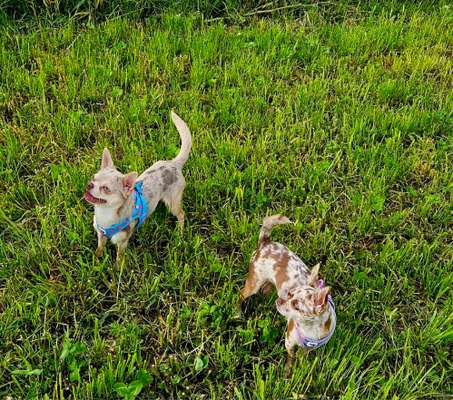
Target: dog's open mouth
{"x": 93, "y": 200}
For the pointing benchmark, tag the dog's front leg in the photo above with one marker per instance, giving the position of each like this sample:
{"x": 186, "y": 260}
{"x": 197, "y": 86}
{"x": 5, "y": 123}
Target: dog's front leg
{"x": 121, "y": 250}
{"x": 121, "y": 240}
{"x": 289, "y": 361}
{"x": 291, "y": 347}
{"x": 102, "y": 240}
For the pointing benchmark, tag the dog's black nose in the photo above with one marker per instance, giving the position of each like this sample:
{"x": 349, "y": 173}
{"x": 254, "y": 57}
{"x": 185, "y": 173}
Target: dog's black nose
{"x": 90, "y": 186}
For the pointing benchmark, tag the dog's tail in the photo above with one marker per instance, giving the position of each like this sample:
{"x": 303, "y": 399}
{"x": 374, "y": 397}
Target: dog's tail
{"x": 186, "y": 139}
{"x": 268, "y": 223}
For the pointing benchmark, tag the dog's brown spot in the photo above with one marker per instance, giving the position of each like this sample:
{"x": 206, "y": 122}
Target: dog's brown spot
{"x": 250, "y": 284}
{"x": 326, "y": 326}
{"x": 256, "y": 256}
{"x": 290, "y": 327}
{"x": 281, "y": 260}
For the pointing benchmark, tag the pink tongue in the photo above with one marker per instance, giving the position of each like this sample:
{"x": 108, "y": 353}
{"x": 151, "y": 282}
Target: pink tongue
{"x": 90, "y": 197}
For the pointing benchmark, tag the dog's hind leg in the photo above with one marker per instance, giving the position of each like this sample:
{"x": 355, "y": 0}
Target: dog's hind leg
{"x": 174, "y": 203}
{"x": 267, "y": 288}
{"x": 252, "y": 285}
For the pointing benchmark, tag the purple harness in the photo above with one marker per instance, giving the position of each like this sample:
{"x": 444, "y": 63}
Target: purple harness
{"x": 139, "y": 212}
{"x": 310, "y": 343}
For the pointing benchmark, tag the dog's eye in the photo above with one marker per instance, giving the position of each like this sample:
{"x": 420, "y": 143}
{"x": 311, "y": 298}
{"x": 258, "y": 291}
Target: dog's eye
{"x": 105, "y": 189}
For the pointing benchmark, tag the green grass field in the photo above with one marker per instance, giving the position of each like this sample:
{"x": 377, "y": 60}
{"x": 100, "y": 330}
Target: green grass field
{"x": 342, "y": 124}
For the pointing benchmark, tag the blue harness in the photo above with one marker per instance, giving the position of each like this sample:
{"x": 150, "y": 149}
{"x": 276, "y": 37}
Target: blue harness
{"x": 310, "y": 343}
{"x": 139, "y": 212}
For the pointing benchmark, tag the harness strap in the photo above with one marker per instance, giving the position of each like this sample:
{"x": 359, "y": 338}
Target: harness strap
{"x": 139, "y": 213}
{"x": 311, "y": 343}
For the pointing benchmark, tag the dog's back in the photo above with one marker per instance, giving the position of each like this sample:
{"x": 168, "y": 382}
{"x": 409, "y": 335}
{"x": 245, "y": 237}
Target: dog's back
{"x": 274, "y": 263}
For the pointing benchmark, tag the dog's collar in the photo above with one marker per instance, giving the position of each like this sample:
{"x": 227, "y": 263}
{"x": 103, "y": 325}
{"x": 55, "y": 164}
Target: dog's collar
{"x": 139, "y": 213}
{"x": 310, "y": 343}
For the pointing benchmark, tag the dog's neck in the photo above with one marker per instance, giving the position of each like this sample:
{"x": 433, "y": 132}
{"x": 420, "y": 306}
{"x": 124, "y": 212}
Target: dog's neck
{"x": 319, "y": 327}
{"x": 106, "y": 216}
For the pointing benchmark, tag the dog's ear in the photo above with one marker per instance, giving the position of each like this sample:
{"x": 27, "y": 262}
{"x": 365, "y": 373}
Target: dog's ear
{"x": 321, "y": 296}
{"x": 128, "y": 182}
{"x": 107, "y": 161}
{"x": 282, "y": 307}
{"x": 313, "y": 279}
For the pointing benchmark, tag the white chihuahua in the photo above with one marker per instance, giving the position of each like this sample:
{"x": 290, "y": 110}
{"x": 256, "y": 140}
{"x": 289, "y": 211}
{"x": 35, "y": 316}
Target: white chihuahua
{"x": 123, "y": 202}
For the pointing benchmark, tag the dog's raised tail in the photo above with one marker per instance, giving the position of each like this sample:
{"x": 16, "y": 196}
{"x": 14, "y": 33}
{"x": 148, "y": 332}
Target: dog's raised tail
{"x": 268, "y": 224}
{"x": 186, "y": 139}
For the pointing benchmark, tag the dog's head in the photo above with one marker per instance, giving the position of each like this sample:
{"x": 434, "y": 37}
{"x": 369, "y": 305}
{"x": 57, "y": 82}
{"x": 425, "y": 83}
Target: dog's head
{"x": 305, "y": 302}
{"x": 109, "y": 187}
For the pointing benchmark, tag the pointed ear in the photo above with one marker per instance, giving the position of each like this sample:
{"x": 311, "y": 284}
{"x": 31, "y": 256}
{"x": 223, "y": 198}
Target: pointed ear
{"x": 321, "y": 297}
{"x": 128, "y": 182}
{"x": 313, "y": 279}
{"x": 107, "y": 161}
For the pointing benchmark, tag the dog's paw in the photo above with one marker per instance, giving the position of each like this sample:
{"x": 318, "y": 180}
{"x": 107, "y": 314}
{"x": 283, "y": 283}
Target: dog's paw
{"x": 288, "y": 368}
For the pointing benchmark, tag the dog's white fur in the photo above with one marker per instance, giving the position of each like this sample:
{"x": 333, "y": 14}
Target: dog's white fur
{"x": 301, "y": 300}
{"x": 110, "y": 190}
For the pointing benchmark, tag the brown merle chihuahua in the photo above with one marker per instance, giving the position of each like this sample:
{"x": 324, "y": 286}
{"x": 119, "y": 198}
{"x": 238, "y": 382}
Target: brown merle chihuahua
{"x": 123, "y": 201}
{"x": 302, "y": 297}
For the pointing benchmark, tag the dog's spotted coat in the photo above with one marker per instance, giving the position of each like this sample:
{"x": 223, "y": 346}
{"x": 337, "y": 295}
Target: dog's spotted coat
{"x": 110, "y": 191}
{"x": 301, "y": 299}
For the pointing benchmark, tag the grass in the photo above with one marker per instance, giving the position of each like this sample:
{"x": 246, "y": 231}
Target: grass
{"x": 344, "y": 127}
{"x": 100, "y": 10}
